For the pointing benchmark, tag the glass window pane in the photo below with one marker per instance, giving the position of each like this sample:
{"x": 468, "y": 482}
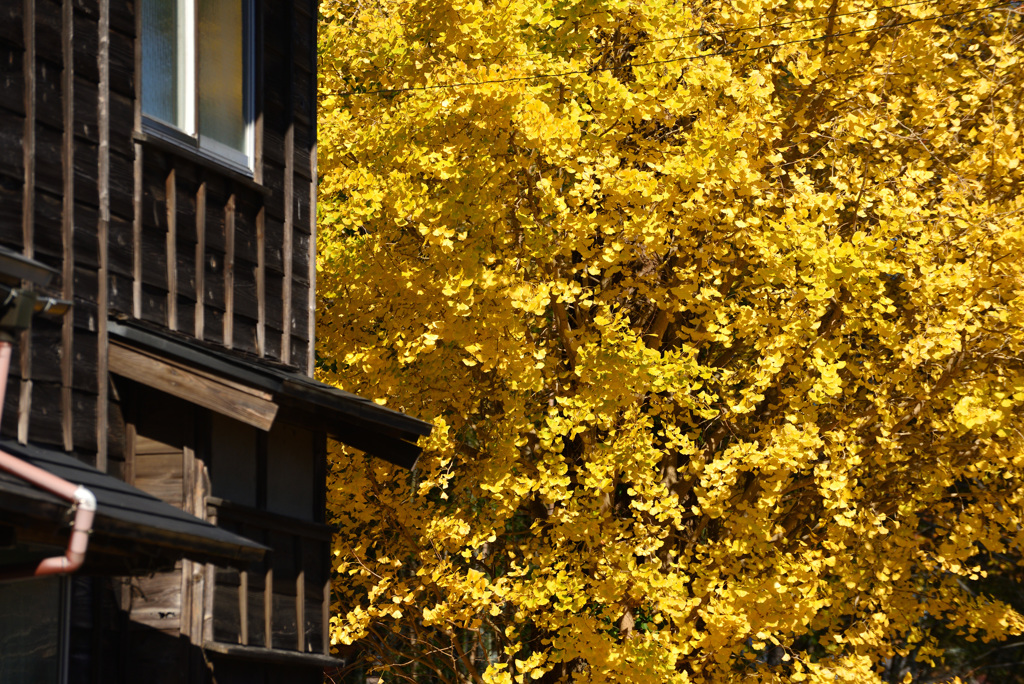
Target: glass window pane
{"x": 163, "y": 61}
{"x": 221, "y": 54}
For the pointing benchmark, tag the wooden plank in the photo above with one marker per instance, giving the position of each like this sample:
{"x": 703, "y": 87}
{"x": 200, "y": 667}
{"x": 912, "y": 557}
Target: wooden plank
{"x": 12, "y": 78}
{"x": 217, "y": 395}
{"x": 48, "y": 29}
{"x": 209, "y": 579}
{"x": 49, "y": 109}
{"x": 120, "y": 252}
{"x": 11, "y": 23}
{"x": 243, "y": 608}
{"x": 311, "y": 301}
{"x": 245, "y": 333}
{"x": 120, "y": 183}
{"x": 86, "y": 93}
{"x": 171, "y": 245}
{"x": 84, "y": 377}
{"x": 229, "y": 272}
{"x": 137, "y": 196}
{"x": 87, "y": 48}
{"x": 261, "y": 283}
{"x": 27, "y": 203}
{"x": 68, "y": 221}
{"x": 122, "y": 118}
{"x": 200, "y": 259}
{"x": 104, "y": 203}
{"x": 300, "y": 609}
{"x": 120, "y": 58}
{"x": 161, "y": 604}
{"x": 48, "y": 170}
{"x": 86, "y": 163}
{"x": 286, "y": 248}
{"x": 268, "y": 607}
{"x": 130, "y": 454}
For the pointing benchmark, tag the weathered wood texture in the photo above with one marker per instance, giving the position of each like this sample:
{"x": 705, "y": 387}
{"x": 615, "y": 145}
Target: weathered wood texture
{"x": 144, "y": 228}
{"x": 283, "y": 593}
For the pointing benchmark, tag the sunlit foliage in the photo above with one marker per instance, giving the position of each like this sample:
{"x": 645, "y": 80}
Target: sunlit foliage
{"x": 717, "y": 308}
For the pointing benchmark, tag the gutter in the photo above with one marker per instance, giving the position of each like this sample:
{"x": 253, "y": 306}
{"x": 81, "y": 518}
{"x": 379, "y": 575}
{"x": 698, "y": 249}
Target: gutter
{"x": 19, "y": 307}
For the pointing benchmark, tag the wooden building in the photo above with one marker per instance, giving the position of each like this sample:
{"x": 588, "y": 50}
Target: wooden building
{"x": 159, "y": 156}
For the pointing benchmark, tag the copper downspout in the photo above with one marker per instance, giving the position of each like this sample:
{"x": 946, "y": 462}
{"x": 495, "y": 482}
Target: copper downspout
{"x": 84, "y": 501}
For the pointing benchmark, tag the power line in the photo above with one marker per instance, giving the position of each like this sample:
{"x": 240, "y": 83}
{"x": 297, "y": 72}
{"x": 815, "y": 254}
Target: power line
{"x": 731, "y": 51}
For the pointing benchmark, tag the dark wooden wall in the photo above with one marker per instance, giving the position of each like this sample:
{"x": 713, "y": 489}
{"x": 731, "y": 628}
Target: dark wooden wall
{"x": 139, "y": 227}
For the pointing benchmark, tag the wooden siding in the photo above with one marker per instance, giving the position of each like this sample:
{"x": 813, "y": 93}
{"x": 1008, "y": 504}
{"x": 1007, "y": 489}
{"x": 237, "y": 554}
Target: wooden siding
{"x": 141, "y": 227}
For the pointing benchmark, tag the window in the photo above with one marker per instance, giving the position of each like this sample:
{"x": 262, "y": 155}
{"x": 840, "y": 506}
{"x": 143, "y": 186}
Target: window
{"x": 197, "y": 58}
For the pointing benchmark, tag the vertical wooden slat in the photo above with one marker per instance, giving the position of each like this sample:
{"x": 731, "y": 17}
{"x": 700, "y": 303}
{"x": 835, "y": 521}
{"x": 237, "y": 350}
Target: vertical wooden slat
{"x": 289, "y": 196}
{"x": 28, "y": 205}
{"x": 300, "y": 603}
{"x": 229, "y": 272}
{"x": 197, "y": 610}
{"x": 243, "y": 608}
{"x": 261, "y": 282}
{"x": 129, "y": 447}
{"x": 137, "y": 173}
{"x": 200, "y": 260}
{"x": 103, "y": 181}
{"x": 311, "y": 354}
{"x": 311, "y": 313}
{"x": 137, "y": 170}
{"x": 286, "y": 250}
{"x": 268, "y": 606}
{"x": 67, "y": 227}
{"x": 171, "y": 190}
{"x": 188, "y": 505}
{"x": 209, "y": 586}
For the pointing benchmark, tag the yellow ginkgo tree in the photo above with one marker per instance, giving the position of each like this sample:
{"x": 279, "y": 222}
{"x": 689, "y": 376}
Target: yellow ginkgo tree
{"x": 717, "y": 309}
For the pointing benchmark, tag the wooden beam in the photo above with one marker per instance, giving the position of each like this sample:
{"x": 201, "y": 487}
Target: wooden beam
{"x": 250, "y": 406}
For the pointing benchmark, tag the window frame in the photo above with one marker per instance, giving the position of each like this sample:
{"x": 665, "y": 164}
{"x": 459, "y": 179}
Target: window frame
{"x": 190, "y": 137}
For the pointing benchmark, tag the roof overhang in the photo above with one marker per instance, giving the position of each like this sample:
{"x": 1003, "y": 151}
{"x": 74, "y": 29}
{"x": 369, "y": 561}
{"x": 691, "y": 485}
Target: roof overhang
{"x": 132, "y": 531}
{"x": 253, "y": 390}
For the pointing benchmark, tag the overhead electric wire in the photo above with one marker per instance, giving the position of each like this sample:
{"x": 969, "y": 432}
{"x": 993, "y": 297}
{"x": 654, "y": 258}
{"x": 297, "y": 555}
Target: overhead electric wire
{"x": 730, "y": 51}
